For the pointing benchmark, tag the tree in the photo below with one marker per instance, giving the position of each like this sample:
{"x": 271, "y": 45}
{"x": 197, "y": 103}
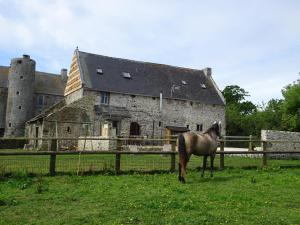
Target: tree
{"x": 291, "y": 107}
{"x": 234, "y": 94}
{"x": 237, "y": 109}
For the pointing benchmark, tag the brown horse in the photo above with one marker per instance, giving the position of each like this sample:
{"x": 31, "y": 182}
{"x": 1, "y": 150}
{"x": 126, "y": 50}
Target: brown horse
{"x": 200, "y": 144}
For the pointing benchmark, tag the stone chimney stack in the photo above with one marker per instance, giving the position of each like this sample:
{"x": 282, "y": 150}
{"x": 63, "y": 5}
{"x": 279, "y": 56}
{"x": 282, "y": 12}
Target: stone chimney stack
{"x": 207, "y": 71}
{"x": 64, "y": 74}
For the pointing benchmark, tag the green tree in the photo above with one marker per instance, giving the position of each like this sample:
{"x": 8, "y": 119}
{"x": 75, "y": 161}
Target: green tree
{"x": 234, "y": 94}
{"x": 238, "y": 110}
{"x": 291, "y": 107}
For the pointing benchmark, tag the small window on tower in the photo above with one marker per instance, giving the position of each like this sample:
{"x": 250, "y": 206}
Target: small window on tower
{"x": 159, "y": 124}
{"x": 18, "y": 93}
{"x": 9, "y": 124}
{"x": 20, "y": 107}
{"x": 21, "y": 77}
{"x": 69, "y": 130}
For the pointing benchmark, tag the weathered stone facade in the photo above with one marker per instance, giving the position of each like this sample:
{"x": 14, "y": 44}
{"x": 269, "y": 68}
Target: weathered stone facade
{"x": 291, "y": 142}
{"x": 25, "y": 93}
{"x": 109, "y": 97}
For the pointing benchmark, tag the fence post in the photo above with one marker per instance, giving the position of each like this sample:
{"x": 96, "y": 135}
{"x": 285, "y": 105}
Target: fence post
{"x": 53, "y": 157}
{"x": 173, "y": 156}
{"x": 264, "y": 148}
{"x": 222, "y": 144}
{"x": 250, "y": 142}
{"x": 118, "y": 157}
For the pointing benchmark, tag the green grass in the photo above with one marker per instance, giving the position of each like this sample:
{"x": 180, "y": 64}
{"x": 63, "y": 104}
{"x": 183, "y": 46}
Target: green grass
{"x": 234, "y": 196}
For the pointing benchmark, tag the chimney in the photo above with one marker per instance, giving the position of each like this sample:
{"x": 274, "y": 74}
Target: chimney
{"x": 207, "y": 71}
{"x": 64, "y": 74}
{"x": 26, "y": 56}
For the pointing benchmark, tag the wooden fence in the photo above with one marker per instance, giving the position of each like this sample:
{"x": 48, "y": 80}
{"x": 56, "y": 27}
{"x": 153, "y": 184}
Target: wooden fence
{"x": 118, "y": 152}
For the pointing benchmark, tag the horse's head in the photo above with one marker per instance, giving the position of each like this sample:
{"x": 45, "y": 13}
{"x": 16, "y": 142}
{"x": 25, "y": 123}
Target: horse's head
{"x": 217, "y": 127}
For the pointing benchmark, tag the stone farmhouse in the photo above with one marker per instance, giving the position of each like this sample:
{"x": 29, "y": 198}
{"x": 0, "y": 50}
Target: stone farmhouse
{"x": 106, "y": 96}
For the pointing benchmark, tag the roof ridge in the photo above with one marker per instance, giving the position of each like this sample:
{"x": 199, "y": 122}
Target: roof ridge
{"x": 144, "y": 62}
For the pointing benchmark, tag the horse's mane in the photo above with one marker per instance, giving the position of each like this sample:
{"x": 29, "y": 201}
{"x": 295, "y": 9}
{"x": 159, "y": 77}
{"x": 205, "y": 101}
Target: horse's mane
{"x": 214, "y": 128}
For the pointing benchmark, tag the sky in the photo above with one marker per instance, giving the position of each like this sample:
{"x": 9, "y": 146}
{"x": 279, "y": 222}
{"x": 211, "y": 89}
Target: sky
{"x": 253, "y": 44}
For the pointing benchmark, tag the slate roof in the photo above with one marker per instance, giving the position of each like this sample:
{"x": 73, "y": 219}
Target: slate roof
{"x": 45, "y": 83}
{"x": 147, "y": 79}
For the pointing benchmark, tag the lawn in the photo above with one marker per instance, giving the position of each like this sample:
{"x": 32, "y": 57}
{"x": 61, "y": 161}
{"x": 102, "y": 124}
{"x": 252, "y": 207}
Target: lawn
{"x": 234, "y": 196}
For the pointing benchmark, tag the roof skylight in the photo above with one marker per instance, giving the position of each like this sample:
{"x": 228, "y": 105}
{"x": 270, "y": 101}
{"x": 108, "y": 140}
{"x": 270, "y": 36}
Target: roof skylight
{"x": 99, "y": 71}
{"x": 126, "y": 75}
{"x": 203, "y": 86}
{"x": 184, "y": 82}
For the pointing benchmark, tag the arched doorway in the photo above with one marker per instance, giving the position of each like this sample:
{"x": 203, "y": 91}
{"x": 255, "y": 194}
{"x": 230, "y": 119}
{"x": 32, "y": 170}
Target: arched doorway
{"x": 134, "y": 129}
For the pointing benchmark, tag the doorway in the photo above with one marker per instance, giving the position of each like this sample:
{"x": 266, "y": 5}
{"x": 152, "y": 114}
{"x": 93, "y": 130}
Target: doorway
{"x": 135, "y": 129}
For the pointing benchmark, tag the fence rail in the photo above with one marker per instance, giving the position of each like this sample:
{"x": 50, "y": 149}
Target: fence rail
{"x": 118, "y": 152}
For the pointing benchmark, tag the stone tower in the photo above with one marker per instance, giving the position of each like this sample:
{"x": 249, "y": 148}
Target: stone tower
{"x": 20, "y": 95}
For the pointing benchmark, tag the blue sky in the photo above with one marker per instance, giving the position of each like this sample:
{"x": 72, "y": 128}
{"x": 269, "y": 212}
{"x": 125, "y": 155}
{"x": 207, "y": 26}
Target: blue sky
{"x": 253, "y": 44}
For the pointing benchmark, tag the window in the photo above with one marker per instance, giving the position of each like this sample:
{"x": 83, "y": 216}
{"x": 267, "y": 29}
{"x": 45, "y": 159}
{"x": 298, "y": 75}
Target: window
{"x": 191, "y": 103}
{"x": 126, "y": 75}
{"x": 159, "y": 124}
{"x": 20, "y": 107}
{"x": 99, "y": 71}
{"x": 18, "y": 93}
{"x": 21, "y": 77}
{"x": 199, "y": 127}
{"x": 203, "y": 86}
{"x": 187, "y": 126}
{"x": 2, "y": 132}
{"x": 104, "y": 97}
{"x": 9, "y": 124}
{"x": 183, "y": 82}
{"x": 153, "y": 98}
{"x": 69, "y": 130}
{"x": 40, "y": 100}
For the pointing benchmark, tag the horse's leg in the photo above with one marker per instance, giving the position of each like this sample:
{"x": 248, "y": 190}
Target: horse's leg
{"x": 204, "y": 165}
{"x": 179, "y": 171}
{"x": 182, "y": 163}
{"x": 212, "y": 157}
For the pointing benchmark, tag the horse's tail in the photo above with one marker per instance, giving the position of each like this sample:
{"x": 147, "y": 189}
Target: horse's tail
{"x": 181, "y": 147}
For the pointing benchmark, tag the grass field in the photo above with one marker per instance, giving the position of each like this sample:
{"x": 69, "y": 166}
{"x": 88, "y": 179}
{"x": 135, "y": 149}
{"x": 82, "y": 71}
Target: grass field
{"x": 240, "y": 194}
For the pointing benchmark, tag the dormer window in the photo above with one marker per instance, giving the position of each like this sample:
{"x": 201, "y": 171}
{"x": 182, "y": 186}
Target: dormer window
{"x": 126, "y": 75}
{"x": 99, "y": 71}
{"x": 203, "y": 86}
{"x": 184, "y": 82}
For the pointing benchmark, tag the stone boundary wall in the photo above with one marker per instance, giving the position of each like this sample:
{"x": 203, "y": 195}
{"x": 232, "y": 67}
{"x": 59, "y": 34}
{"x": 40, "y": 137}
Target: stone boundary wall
{"x": 274, "y": 135}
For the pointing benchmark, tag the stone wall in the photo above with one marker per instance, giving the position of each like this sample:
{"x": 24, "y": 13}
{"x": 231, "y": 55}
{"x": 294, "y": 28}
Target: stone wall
{"x": 3, "y": 99}
{"x": 146, "y": 112}
{"x": 74, "y": 96}
{"x": 48, "y": 101}
{"x": 287, "y": 145}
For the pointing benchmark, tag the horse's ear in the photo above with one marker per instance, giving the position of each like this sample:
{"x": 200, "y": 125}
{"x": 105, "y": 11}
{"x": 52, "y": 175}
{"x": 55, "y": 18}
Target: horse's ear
{"x": 214, "y": 122}
{"x": 220, "y": 123}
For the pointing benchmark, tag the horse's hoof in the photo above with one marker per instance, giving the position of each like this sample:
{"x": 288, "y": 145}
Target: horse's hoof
{"x": 179, "y": 178}
{"x": 183, "y": 180}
